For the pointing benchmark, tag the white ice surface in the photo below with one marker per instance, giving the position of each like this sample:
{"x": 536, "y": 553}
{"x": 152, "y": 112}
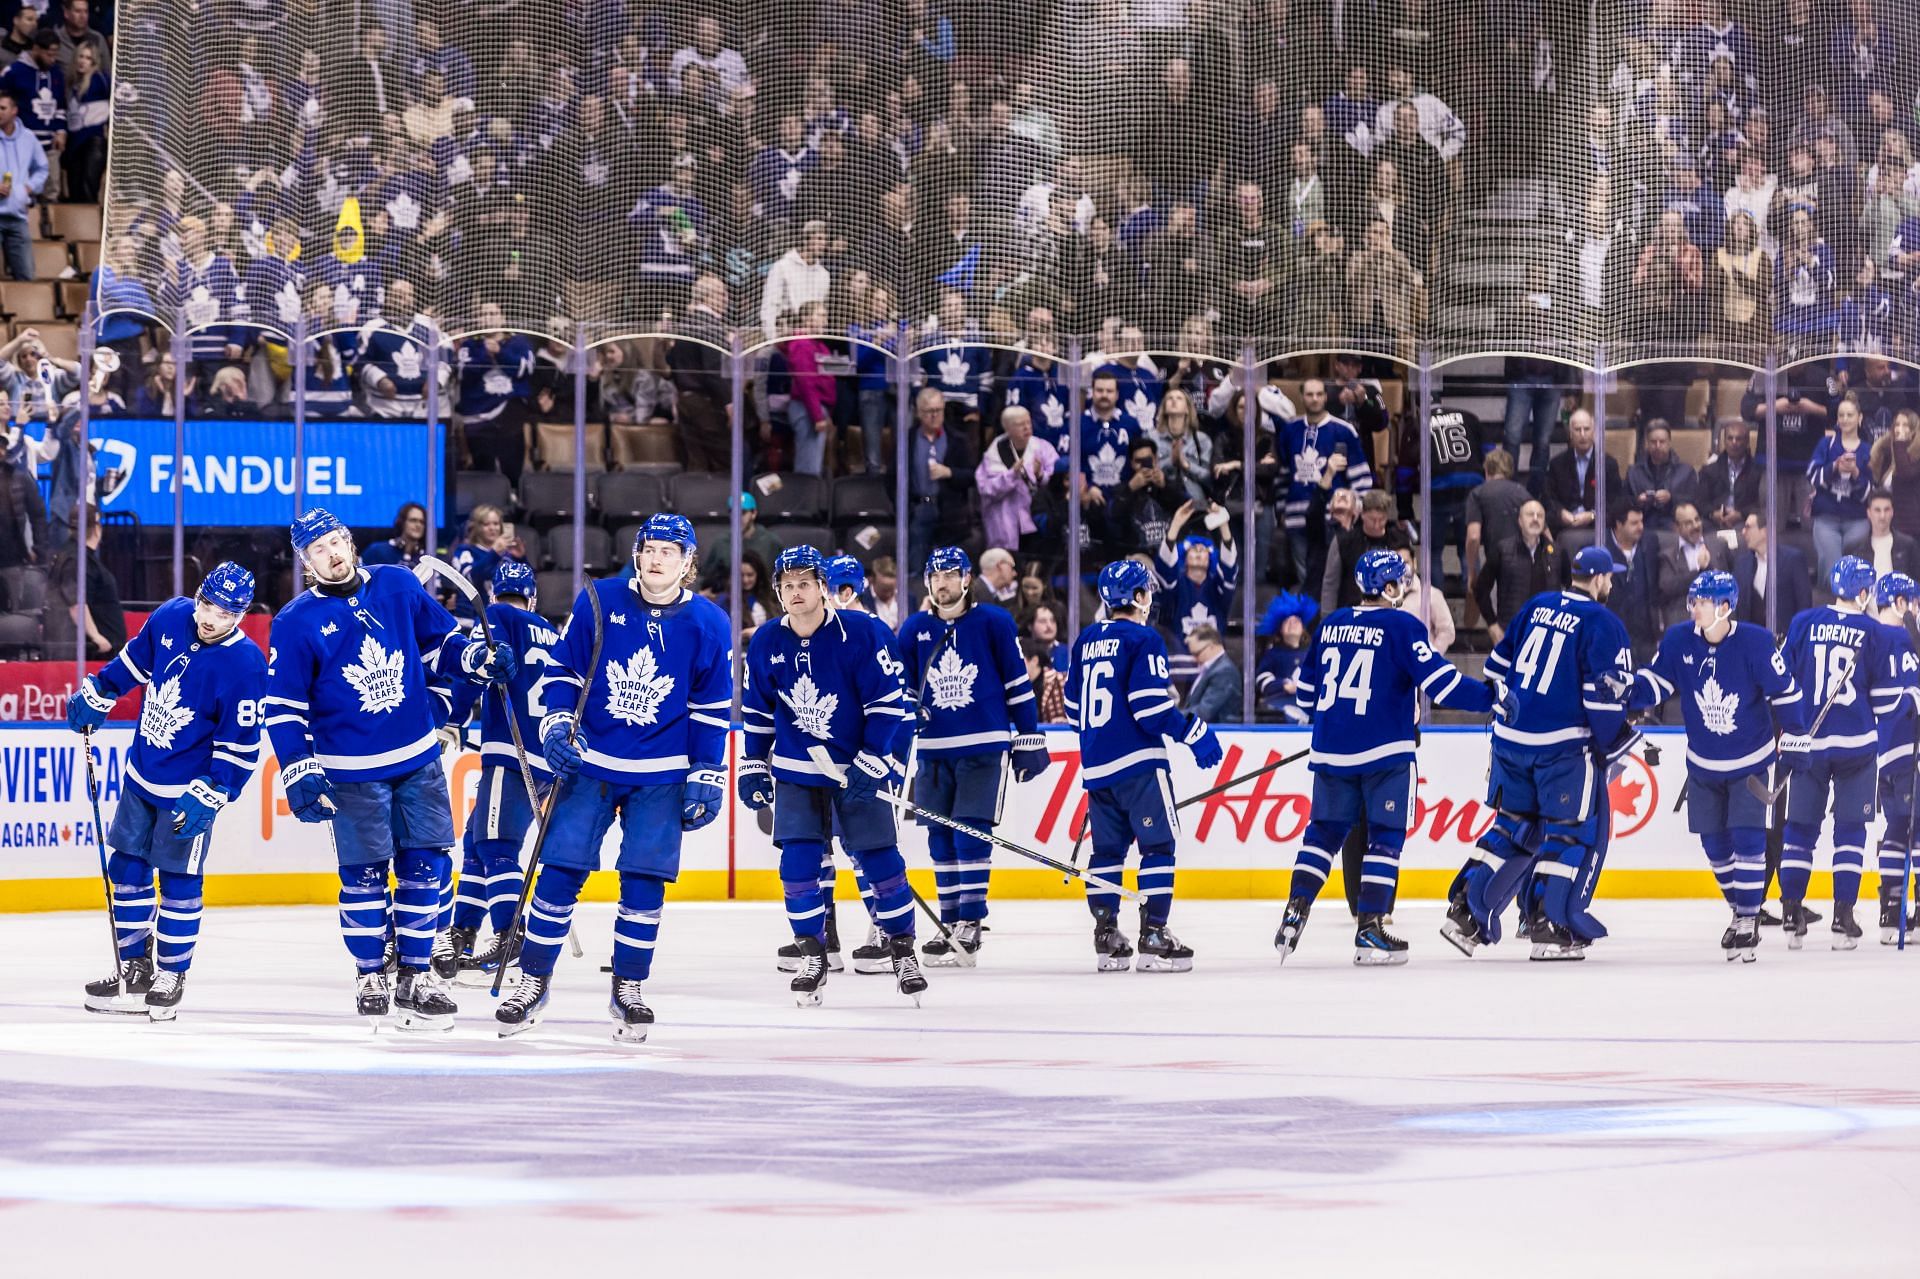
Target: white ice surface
{"x": 1652, "y": 1107}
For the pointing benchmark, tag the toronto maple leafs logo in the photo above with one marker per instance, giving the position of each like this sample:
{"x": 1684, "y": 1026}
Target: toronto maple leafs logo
{"x": 379, "y": 677}
{"x": 404, "y": 212}
{"x": 1055, "y": 411}
{"x": 406, "y": 361}
{"x": 1105, "y": 467}
{"x": 950, "y": 681}
{"x": 1717, "y": 706}
{"x": 1198, "y": 616}
{"x": 162, "y": 716}
{"x": 953, "y": 369}
{"x": 812, "y": 709}
{"x": 1142, "y": 409}
{"x": 1306, "y": 466}
{"x": 635, "y": 689}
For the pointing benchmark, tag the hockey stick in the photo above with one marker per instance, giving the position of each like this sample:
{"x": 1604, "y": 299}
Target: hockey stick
{"x": 553, "y": 794}
{"x": 460, "y": 582}
{"x": 100, "y": 843}
{"x": 1245, "y": 777}
{"x": 1768, "y": 794}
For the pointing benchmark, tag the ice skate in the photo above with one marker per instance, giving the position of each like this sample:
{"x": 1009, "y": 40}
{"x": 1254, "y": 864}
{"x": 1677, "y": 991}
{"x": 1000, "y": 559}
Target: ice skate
{"x": 372, "y": 998}
{"x": 1793, "y": 923}
{"x": 1461, "y": 930}
{"x": 477, "y": 967}
{"x": 787, "y": 958}
{"x": 811, "y": 976}
{"x": 1162, "y": 952}
{"x": 873, "y": 957}
{"x": 1287, "y": 940}
{"x": 1552, "y": 943}
{"x": 163, "y": 999}
{"x": 1112, "y": 952}
{"x": 1890, "y": 905}
{"x": 1373, "y": 945}
{"x": 834, "y": 962}
{"x": 1845, "y": 929}
{"x": 632, "y": 1019}
{"x": 906, "y": 967}
{"x": 523, "y": 1006}
{"x": 420, "y": 1004}
{"x": 1742, "y": 939}
{"x": 450, "y": 948}
{"x": 107, "y": 995}
{"x": 390, "y": 956}
{"x": 966, "y": 944}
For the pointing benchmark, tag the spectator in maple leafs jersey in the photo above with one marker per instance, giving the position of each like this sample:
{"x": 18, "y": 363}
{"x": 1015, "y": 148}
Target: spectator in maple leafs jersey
{"x": 393, "y": 356}
{"x": 1565, "y": 667}
{"x": 1138, "y": 383}
{"x": 1734, "y": 691}
{"x": 490, "y": 878}
{"x": 1324, "y": 454}
{"x": 197, "y": 743}
{"x": 640, "y": 736}
{"x": 1854, "y": 673}
{"x": 1361, "y": 684}
{"x": 1202, "y": 577}
{"x": 955, "y": 364}
{"x": 1105, "y": 443}
{"x": 823, "y": 707}
{"x": 201, "y": 289}
{"x": 1119, "y": 699}
{"x": 1039, "y": 385}
{"x": 974, "y": 711}
{"x": 353, "y": 722}
{"x": 492, "y": 409}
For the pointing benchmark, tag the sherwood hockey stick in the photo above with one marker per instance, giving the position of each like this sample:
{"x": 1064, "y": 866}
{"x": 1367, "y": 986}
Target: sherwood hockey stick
{"x": 461, "y": 583}
{"x": 1769, "y": 794}
{"x": 100, "y": 844}
{"x": 553, "y": 794}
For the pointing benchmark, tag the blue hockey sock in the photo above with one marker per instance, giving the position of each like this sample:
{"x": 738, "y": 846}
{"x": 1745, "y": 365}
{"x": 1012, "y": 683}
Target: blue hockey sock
{"x": 1749, "y": 887}
{"x": 1156, "y": 884}
{"x": 866, "y": 888}
{"x": 892, "y": 899}
{"x": 946, "y": 876}
{"x": 504, "y": 882}
{"x": 420, "y": 876}
{"x": 636, "y": 924}
{"x": 134, "y": 901}
{"x": 800, "y": 886}
{"x": 1107, "y": 866}
{"x": 549, "y": 915}
{"x": 1380, "y": 870}
{"x": 364, "y": 921}
{"x": 1796, "y": 860}
{"x": 829, "y": 876}
{"x": 972, "y": 871}
{"x": 1849, "y": 860}
{"x": 179, "y": 923}
{"x": 1314, "y": 862}
{"x": 470, "y": 903}
{"x": 1718, "y": 846}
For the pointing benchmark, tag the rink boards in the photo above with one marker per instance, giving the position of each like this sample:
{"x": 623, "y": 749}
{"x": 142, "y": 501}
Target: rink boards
{"x": 1238, "y": 844}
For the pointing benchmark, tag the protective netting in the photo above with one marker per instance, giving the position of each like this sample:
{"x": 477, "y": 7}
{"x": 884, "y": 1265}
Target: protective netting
{"x": 1604, "y": 182}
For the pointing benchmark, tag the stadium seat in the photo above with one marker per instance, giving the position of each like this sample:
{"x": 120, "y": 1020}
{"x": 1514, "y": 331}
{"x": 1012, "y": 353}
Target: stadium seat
{"x": 480, "y": 488}
{"x": 645, "y": 444}
{"x": 881, "y": 543}
{"x": 76, "y": 221}
{"x": 699, "y": 495}
{"x": 555, "y": 441}
{"x": 533, "y": 543}
{"x": 548, "y": 497}
{"x": 20, "y": 635}
{"x": 555, "y": 595}
{"x": 710, "y": 534}
{"x": 87, "y": 254}
{"x": 625, "y": 496}
{"x": 624, "y": 535}
{"x": 861, "y": 497}
{"x": 61, "y": 340}
{"x": 1693, "y": 447}
{"x": 814, "y": 535}
{"x": 50, "y": 260}
{"x": 29, "y": 301}
{"x": 799, "y": 497}
{"x": 598, "y": 549}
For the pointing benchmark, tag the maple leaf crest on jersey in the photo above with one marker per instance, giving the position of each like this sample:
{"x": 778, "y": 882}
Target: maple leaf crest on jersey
{"x": 161, "y": 714}
{"x": 379, "y": 677}
{"x": 1718, "y": 708}
{"x": 812, "y": 710}
{"x": 636, "y": 688}
{"x": 950, "y": 681}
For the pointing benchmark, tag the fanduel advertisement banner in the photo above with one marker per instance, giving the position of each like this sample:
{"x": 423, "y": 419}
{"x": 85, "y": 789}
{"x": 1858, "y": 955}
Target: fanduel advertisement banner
{"x": 243, "y": 472}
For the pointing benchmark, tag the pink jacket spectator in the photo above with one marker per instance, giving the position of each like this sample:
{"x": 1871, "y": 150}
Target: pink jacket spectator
{"x": 1006, "y": 498}
{"x": 808, "y": 384}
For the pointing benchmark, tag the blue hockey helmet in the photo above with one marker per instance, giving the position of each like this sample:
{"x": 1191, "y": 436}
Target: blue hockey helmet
{"x": 800, "y": 559}
{"x": 677, "y": 529}
{"x": 948, "y": 559}
{"x": 845, "y": 570}
{"x": 1851, "y": 577}
{"x": 1376, "y": 568}
{"x": 1894, "y": 586}
{"x": 514, "y": 577}
{"x": 229, "y": 587}
{"x": 1714, "y": 585}
{"x": 1121, "y": 580}
{"x": 310, "y": 526}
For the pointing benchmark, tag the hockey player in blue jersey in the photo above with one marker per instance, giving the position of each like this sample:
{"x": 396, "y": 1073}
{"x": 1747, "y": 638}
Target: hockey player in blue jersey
{"x": 1119, "y": 698}
{"x": 502, "y": 813}
{"x": 823, "y": 708}
{"x": 1565, "y": 668}
{"x": 974, "y": 717}
{"x": 354, "y": 724}
{"x": 197, "y": 743}
{"x": 1852, "y": 673}
{"x": 1895, "y": 596}
{"x": 1734, "y": 691}
{"x": 650, "y": 748}
{"x": 1361, "y": 684}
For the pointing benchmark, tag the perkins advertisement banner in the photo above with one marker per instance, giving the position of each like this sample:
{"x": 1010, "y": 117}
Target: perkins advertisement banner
{"x": 243, "y": 472}
{"x": 1238, "y": 844}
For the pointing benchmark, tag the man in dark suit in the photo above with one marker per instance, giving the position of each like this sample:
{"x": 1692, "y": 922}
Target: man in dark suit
{"x": 1758, "y": 579}
{"x": 1635, "y": 596}
{"x": 1572, "y": 477}
{"x": 1885, "y": 547}
{"x": 1216, "y": 692}
{"x": 1730, "y": 484}
{"x": 1685, "y": 553}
